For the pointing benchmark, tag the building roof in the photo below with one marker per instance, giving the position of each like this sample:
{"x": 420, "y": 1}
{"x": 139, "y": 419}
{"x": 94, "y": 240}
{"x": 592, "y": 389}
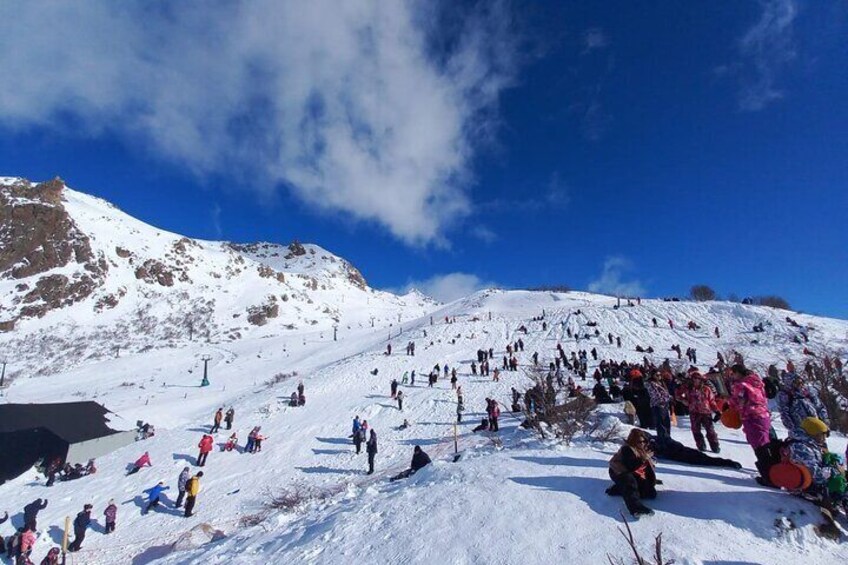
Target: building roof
{"x": 73, "y": 422}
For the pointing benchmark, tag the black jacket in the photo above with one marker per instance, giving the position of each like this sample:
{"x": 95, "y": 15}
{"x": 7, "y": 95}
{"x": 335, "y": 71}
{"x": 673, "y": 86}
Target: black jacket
{"x": 32, "y": 509}
{"x": 82, "y": 520}
{"x": 420, "y": 459}
{"x": 371, "y": 446}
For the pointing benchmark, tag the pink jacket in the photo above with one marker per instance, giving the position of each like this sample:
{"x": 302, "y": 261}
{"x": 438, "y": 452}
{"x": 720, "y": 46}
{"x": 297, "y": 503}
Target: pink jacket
{"x": 143, "y": 460}
{"x": 27, "y": 541}
{"x": 748, "y": 396}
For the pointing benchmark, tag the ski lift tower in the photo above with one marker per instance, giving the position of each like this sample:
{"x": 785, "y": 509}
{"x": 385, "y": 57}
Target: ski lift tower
{"x": 205, "y": 359}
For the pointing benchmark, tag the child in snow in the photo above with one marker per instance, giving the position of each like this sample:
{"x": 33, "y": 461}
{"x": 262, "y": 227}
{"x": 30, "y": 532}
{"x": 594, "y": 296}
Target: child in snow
{"x": 825, "y": 468}
{"x": 257, "y": 441}
{"x": 232, "y": 443}
{"x": 153, "y": 494}
{"x": 748, "y": 397}
{"x": 632, "y": 471}
{"x": 143, "y": 461}
{"x": 111, "y": 514}
{"x": 371, "y": 448}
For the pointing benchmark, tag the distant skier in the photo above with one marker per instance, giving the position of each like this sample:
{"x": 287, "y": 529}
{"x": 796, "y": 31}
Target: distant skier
{"x": 153, "y": 494}
{"x": 182, "y": 481}
{"x": 143, "y": 461}
{"x": 111, "y": 514}
{"x": 371, "y": 448}
{"x": 205, "y": 447}
{"x": 81, "y": 523}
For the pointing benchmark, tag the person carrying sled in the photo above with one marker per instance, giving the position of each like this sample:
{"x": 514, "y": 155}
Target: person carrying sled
{"x": 81, "y": 523}
{"x": 700, "y": 399}
{"x": 192, "y": 489}
{"x": 153, "y": 494}
{"x": 143, "y": 461}
{"x": 205, "y": 446}
{"x": 748, "y": 397}
{"x": 796, "y": 402}
{"x": 216, "y": 421}
{"x": 420, "y": 459}
{"x": 632, "y": 471}
{"x": 826, "y": 469}
{"x": 111, "y": 516}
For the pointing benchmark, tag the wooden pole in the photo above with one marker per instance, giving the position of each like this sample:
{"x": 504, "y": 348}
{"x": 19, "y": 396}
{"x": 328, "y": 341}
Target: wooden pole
{"x": 65, "y": 538}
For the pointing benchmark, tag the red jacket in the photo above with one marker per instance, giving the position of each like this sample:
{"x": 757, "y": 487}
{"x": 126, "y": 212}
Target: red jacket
{"x": 205, "y": 444}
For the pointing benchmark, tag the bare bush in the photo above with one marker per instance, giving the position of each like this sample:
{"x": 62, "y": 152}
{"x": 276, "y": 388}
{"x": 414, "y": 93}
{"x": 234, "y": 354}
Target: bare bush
{"x": 280, "y": 378}
{"x": 772, "y": 301}
{"x": 656, "y": 559}
{"x": 832, "y": 387}
{"x": 295, "y": 497}
{"x": 562, "y": 421}
{"x": 702, "y": 293}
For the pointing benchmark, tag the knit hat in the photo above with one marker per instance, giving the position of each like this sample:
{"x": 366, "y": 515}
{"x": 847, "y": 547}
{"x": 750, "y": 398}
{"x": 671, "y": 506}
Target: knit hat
{"x": 814, "y": 426}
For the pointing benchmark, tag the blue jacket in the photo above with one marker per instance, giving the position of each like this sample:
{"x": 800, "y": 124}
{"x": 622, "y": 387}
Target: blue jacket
{"x": 356, "y": 426}
{"x": 154, "y": 492}
{"x": 796, "y": 404}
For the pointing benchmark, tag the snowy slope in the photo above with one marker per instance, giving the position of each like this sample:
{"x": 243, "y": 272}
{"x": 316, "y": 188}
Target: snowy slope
{"x": 523, "y": 502}
{"x": 81, "y": 281}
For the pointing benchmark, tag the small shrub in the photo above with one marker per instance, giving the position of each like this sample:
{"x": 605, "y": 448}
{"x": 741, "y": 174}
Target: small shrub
{"x": 702, "y": 293}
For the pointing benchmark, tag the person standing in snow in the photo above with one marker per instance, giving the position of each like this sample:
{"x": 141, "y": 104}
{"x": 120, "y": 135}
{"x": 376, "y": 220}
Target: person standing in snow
{"x": 229, "y": 417}
{"x": 192, "y": 490}
{"x": 257, "y": 441}
{"x": 143, "y": 461}
{"x": 660, "y": 400}
{"x": 355, "y": 427}
{"x": 111, "y": 514}
{"x": 371, "y": 448}
{"x": 28, "y": 539}
{"x": 251, "y": 440}
{"x": 399, "y": 399}
{"x": 205, "y": 447}
{"x": 700, "y": 399}
{"x": 358, "y": 438}
{"x": 181, "y": 486}
{"x": 748, "y": 397}
{"x": 394, "y": 387}
{"x": 796, "y": 401}
{"x": 153, "y": 494}
{"x": 81, "y": 523}
{"x": 31, "y": 511}
{"x": 216, "y": 422}
{"x": 632, "y": 471}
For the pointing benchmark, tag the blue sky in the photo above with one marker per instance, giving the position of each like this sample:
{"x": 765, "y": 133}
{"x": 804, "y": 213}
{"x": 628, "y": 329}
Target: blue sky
{"x": 634, "y": 147}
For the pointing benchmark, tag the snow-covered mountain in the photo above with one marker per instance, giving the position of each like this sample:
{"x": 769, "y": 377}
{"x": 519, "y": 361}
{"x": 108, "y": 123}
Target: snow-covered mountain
{"x": 81, "y": 280}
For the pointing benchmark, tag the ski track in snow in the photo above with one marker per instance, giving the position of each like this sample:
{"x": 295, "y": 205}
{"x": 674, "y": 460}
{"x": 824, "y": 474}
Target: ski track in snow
{"x": 525, "y": 502}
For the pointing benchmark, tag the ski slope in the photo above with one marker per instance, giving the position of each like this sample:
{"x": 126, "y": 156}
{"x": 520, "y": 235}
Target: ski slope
{"x": 518, "y": 500}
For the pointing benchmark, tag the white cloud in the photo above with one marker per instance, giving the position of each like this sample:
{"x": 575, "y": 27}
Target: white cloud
{"x": 765, "y": 50}
{"x": 611, "y": 279}
{"x": 350, "y": 105}
{"x": 594, "y": 39}
{"x": 484, "y": 234}
{"x": 448, "y": 287}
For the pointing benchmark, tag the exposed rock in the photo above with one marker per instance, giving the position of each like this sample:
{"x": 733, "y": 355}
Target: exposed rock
{"x": 258, "y": 315}
{"x": 56, "y": 291}
{"x": 7, "y": 325}
{"x": 153, "y": 271}
{"x": 122, "y": 253}
{"x": 296, "y": 249}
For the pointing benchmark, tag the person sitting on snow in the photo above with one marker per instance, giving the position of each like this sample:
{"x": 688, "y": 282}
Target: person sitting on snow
{"x": 483, "y": 427}
{"x": 420, "y": 459}
{"x": 632, "y": 471}
{"x": 826, "y": 469}
{"x": 143, "y": 461}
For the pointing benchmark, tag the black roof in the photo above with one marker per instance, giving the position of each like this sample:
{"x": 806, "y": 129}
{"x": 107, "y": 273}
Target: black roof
{"x": 74, "y": 422}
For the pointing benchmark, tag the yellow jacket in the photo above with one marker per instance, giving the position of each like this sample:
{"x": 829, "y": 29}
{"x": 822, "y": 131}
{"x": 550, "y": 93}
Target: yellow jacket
{"x": 193, "y": 486}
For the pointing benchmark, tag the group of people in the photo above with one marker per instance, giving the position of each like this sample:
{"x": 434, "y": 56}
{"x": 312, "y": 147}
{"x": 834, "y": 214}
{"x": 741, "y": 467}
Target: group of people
{"x": 20, "y": 546}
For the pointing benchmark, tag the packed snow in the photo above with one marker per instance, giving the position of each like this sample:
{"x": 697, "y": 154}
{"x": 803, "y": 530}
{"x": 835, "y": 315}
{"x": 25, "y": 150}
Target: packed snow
{"x": 510, "y": 498}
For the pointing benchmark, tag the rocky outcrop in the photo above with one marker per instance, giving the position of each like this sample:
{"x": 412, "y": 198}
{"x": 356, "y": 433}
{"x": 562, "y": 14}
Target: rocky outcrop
{"x": 36, "y": 233}
{"x": 258, "y": 315}
{"x": 296, "y": 249}
{"x": 153, "y": 271}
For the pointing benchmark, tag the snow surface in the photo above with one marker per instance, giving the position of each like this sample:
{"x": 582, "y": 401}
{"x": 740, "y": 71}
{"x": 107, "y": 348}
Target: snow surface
{"x": 514, "y": 501}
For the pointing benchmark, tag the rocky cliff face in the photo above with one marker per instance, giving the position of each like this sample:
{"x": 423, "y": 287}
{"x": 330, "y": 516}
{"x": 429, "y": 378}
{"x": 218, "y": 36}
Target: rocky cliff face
{"x": 80, "y": 279}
